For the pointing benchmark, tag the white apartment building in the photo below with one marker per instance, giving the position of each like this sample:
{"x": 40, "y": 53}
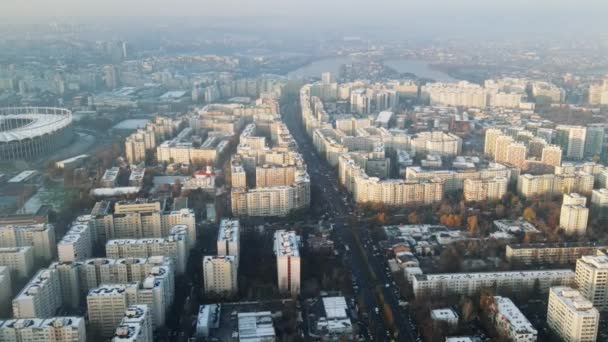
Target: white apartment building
{"x": 153, "y": 294}
{"x": 487, "y": 189}
{"x": 140, "y": 219}
{"x": 574, "y": 137}
{"x": 41, "y": 296}
{"x": 461, "y": 94}
{"x": 598, "y": 93}
{"x": 220, "y": 275}
{"x": 516, "y": 154}
{"x": 599, "y": 202}
{"x": 20, "y": 260}
{"x": 286, "y": 248}
{"x": 174, "y": 246}
{"x": 454, "y": 179}
{"x": 511, "y": 323}
{"x": 574, "y": 215}
{"x": 76, "y": 244}
{"x": 106, "y": 306}
{"x": 489, "y": 147}
{"x": 551, "y": 253}
{"x": 470, "y": 283}
{"x": 95, "y": 272}
{"x": 571, "y": 316}
{"x": 69, "y": 279}
{"x": 592, "y": 279}
{"x": 40, "y": 236}
{"x": 57, "y": 329}
{"x": 551, "y": 155}
{"x": 6, "y": 291}
{"x": 270, "y": 201}
{"x": 137, "y": 144}
{"x": 531, "y": 186}
{"x": 228, "y": 238}
{"x": 136, "y": 325}
{"x": 444, "y": 144}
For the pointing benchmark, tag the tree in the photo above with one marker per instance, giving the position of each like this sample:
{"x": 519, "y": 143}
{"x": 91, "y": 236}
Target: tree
{"x": 529, "y": 214}
{"x": 472, "y": 224}
{"x": 412, "y": 218}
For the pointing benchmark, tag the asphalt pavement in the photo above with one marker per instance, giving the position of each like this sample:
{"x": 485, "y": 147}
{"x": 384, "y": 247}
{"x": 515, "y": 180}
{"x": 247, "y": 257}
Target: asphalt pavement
{"x": 336, "y": 206}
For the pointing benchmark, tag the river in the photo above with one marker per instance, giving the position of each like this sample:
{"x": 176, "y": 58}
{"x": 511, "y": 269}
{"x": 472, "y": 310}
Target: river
{"x": 416, "y": 67}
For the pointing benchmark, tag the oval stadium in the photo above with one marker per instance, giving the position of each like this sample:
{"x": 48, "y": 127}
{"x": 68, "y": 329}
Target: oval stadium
{"x": 30, "y": 132}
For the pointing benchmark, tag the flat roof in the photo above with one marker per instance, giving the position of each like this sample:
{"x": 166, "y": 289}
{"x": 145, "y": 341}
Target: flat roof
{"x": 495, "y": 275}
{"x": 511, "y": 313}
{"x": 574, "y": 299}
{"x": 23, "y": 176}
{"x": 253, "y": 326}
{"x": 286, "y": 243}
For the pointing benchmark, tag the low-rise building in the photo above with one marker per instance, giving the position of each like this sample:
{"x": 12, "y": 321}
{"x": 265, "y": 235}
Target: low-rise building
{"x": 551, "y": 253}
{"x": 470, "y": 283}
{"x": 511, "y": 323}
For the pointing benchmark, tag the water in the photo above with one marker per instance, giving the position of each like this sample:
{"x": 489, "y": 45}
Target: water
{"x": 416, "y": 67}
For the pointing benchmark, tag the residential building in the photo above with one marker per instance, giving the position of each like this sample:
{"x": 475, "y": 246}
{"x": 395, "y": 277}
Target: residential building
{"x": 551, "y": 155}
{"x": 107, "y": 304}
{"x": 551, "y": 253}
{"x": 574, "y": 215}
{"x": 470, "y": 283}
{"x": 19, "y": 260}
{"x": 286, "y": 248}
{"x": 487, "y": 189}
{"x": 511, "y": 323}
{"x": 571, "y": 316}
{"x": 592, "y": 279}
{"x": 41, "y": 237}
{"x": 41, "y": 296}
{"x": 56, "y": 329}
{"x": 228, "y": 238}
{"x": 6, "y": 291}
{"x": 220, "y": 275}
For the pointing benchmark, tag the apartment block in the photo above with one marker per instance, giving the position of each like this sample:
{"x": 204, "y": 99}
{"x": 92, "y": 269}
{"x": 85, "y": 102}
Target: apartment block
{"x": 136, "y": 325}
{"x": 511, "y": 323}
{"x": 41, "y": 237}
{"x": 6, "y": 291}
{"x": 56, "y": 329}
{"x": 228, "y": 239}
{"x": 41, "y": 296}
{"x": 286, "y": 248}
{"x": 488, "y": 189}
{"x": 470, "y": 283}
{"x": 19, "y": 260}
{"x": 551, "y": 253}
{"x": 571, "y": 316}
{"x": 220, "y": 275}
{"x": 592, "y": 279}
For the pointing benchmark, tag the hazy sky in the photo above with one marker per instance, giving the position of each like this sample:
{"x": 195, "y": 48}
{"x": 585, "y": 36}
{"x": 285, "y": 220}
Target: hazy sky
{"x": 341, "y": 8}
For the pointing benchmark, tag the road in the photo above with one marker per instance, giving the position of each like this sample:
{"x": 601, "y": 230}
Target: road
{"x": 330, "y": 203}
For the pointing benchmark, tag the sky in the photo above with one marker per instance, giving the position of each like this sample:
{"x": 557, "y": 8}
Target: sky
{"x": 295, "y": 8}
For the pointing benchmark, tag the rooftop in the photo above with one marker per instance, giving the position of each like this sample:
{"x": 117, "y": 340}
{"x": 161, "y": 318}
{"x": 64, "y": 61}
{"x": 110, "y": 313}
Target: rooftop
{"x": 496, "y": 275}
{"x": 286, "y": 243}
{"x": 253, "y": 326}
{"x": 574, "y": 300}
{"x": 229, "y": 230}
{"x": 516, "y": 319}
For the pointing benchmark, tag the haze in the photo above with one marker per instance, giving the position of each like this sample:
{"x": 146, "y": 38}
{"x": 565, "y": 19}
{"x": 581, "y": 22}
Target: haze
{"x": 341, "y": 8}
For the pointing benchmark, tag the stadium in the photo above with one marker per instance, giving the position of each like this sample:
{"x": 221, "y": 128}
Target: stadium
{"x": 30, "y": 132}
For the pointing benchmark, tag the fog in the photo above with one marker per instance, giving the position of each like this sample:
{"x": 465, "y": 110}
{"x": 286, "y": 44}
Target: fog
{"x": 401, "y": 18}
